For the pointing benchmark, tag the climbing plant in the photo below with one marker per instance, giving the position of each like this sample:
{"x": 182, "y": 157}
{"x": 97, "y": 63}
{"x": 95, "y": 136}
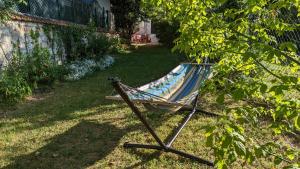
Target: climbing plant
{"x": 6, "y": 8}
{"x": 252, "y": 67}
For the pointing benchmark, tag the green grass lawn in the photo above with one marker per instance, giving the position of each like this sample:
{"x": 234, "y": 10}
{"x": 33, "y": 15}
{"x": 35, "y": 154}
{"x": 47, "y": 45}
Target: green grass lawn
{"x": 75, "y": 127}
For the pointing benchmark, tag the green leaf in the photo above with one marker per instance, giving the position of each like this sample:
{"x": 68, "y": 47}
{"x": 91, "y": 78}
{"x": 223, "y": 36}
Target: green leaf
{"x": 227, "y": 141}
{"x": 277, "y": 130}
{"x": 297, "y": 122}
{"x": 239, "y": 136}
{"x": 291, "y": 156}
{"x": 250, "y": 157}
{"x": 248, "y": 55}
{"x": 260, "y": 152}
{"x": 229, "y": 129}
{"x": 232, "y": 157}
{"x": 279, "y": 89}
{"x": 221, "y": 165}
{"x": 209, "y": 130}
{"x": 238, "y": 94}
{"x": 277, "y": 160}
{"x": 210, "y": 141}
{"x": 255, "y": 9}
{"x": 289, "y": 46}
{"x": 220, "y": 99}
{"x": 240, "y": 148}
{"x": 263, "y": 88}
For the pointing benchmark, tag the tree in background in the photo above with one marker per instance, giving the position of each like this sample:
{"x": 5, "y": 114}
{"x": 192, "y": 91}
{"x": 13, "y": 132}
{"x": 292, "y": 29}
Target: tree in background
{"x": 166, "y": 31}
{"x": 257, "y": 67}
{"x": 127, "y": 14}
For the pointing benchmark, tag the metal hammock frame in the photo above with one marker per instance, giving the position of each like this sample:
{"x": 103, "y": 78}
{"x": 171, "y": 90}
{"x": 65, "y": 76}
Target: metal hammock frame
{"x": 123, "y": 91}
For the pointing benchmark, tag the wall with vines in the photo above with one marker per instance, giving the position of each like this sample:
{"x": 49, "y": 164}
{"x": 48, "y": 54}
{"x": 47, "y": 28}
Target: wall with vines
{"x": 15, "y": 32}
{"x": 65, "y": 43}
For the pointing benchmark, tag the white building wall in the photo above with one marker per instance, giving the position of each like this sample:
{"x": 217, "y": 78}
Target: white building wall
{"x": 104, "y": 3}
{"x": 107, "y": 6}
{"x": 144, "y": 28}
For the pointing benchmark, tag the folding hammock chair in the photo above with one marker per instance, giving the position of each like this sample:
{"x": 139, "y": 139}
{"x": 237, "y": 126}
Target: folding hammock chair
{"x": 177, "y": 91}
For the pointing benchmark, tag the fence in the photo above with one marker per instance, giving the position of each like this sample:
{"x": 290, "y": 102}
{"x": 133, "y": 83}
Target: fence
{"x": 77, "y": 11}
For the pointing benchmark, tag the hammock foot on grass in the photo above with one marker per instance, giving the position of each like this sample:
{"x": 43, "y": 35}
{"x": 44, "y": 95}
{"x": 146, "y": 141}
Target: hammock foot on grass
{"x": 169, "y": 150}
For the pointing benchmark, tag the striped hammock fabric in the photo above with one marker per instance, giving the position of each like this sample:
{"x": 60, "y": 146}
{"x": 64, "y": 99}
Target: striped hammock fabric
{"x": 175, "y": 90}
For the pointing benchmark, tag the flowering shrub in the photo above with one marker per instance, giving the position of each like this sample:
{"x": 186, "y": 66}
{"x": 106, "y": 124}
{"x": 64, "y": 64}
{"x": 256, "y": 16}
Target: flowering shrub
{"x": 79, "y": 69}
{"x": 106, "y": 62}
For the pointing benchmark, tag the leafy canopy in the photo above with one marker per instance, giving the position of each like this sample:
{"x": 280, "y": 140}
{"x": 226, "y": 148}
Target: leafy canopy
{"x": 255, "y": 44}
{"x": 127, "y": 13}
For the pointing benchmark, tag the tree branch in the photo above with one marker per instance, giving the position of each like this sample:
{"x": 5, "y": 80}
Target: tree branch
{"x": 256, "y": 41}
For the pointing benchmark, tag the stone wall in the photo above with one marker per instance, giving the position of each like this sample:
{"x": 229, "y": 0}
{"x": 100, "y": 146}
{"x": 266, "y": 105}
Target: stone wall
{"x": 13, "y": 32}
{"x": 17, "y": 31}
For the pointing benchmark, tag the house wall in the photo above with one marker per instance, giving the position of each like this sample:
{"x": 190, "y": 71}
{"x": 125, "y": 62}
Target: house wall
{"x": 144, "y": 28}
{"x": 105, "y": 4}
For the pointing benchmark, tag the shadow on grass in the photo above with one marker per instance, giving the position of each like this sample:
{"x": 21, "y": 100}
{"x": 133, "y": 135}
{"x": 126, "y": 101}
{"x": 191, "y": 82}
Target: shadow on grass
{"x": 87, "y": 142}
{"x": 79, "y": 147}
{"x": 160, "y": 117}
{"x": 136, "y": 68}
{"x": 83, "y": 145}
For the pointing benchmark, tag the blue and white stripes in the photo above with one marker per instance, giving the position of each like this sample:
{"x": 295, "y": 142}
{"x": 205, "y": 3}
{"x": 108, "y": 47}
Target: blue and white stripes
{"x": 177, "y": 86}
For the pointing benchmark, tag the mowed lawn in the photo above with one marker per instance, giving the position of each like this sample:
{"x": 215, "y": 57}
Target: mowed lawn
{"x": 74, "y": 126}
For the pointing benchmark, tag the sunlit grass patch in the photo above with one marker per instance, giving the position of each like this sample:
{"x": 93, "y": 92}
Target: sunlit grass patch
{"x": 74, "y": 126}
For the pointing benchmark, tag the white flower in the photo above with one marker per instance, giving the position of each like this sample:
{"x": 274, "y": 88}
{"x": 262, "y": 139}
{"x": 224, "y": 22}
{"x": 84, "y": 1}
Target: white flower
{"x": 79, "y": 69}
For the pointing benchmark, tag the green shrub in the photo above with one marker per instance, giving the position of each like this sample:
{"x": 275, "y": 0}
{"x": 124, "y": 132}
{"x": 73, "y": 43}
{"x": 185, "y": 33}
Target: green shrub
{"x": 73, "y": 41}
{"x": 166, "y": 31}
{"x": 13, "y": 85}
{"x": 116, "y": 45}
{"x": 82, "y": 42}
{"x": 98, "y": 45}
{"x": 40, "y": 69}
{"x": 13, "y": 88}
{"x": 36, "y": 69}
{"x": 26, "y": 72}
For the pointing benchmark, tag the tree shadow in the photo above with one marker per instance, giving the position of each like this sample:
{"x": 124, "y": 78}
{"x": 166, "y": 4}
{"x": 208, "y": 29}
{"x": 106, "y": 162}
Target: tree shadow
{"x": 79, "y": 147}
{"x": 88, "y": 142}
{"x": 160, "y": 117}
{"x": 83, "y": 145}
{"x": 89, "y": 93}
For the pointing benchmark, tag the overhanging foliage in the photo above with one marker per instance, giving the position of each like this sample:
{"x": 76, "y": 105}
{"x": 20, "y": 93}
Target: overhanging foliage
{"x": 253, "y": 67}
